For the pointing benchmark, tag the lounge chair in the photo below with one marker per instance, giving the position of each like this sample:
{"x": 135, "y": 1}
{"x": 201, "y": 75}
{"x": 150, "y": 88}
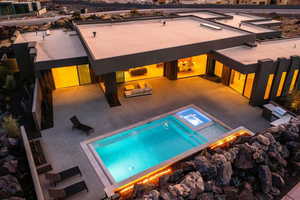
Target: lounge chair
{"x": 68, "y": 191}
{"x": 78, "y": 125}
{"x": 55, "y": 178}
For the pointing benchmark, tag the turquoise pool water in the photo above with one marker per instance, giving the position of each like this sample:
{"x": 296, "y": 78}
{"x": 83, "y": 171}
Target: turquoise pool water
{"x": 133, "y": 151}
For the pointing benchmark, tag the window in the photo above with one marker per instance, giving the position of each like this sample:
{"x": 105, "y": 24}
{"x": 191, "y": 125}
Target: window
{"x": 249, "y": 85}
{"x": 293, "y": 82}
{"x": 144, "y": 72}
{"x": 84, "y": 74}
{"x": 237, "y": 81}
{"x": 269, "y": 86}
{"x": 192, "y": 66}
{"x": 218, "y": 69}
{"x": 281, "y": 84}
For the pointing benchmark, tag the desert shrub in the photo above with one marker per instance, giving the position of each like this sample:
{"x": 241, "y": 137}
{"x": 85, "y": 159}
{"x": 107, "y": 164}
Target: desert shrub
{"x": 11, "y": 125}
{"x": 10, "y": 82}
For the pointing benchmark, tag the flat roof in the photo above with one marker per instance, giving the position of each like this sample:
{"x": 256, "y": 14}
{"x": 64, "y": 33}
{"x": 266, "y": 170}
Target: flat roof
{"x": 56, "y": 46}
{"x": 266, "y": 22}
{"x": 269, "y": 49}
{"x": 126, "y": 38}
{"x": 238, "y": 18}
{"x": 204, "y": 14}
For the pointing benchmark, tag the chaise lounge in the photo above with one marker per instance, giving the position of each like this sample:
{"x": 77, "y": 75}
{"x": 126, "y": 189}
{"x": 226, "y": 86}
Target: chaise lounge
{"x": 78, "y": 125}
{"x": 68, "y": 191}
{"x": 55, "y": 178}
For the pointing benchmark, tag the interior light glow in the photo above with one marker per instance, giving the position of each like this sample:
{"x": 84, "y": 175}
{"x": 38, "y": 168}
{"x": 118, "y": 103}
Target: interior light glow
{"x": 228, "y": 139}
{"x": 143, "y": 180}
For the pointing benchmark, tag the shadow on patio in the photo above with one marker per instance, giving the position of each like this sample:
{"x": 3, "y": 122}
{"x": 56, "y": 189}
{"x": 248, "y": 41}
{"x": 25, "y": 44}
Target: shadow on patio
{"x": 61, "y": 144}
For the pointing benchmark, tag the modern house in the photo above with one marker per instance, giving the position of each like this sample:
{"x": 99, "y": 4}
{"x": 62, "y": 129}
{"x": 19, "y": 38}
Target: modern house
{"x": 242, "y": 50}
{"x": 182, "y": 56}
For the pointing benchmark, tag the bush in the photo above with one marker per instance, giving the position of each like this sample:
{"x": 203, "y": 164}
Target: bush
{"x": 10, "y": 82}
{"x": 11, "y": 126}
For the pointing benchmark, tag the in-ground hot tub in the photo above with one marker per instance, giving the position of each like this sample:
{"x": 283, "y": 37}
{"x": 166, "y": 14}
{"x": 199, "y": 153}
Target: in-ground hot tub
{"x": 124, "y": 156}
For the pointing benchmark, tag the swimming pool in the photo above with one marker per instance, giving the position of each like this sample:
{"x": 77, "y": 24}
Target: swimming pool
{"x": 125, "y": 155}
{"x": 140, "y": 148}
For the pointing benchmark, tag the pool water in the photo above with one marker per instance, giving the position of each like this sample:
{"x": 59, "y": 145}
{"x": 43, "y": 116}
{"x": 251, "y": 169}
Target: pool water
{"x": 135, "y": 150}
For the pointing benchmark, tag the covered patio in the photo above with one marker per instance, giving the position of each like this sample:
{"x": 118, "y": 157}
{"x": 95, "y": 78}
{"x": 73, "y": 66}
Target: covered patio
{"x": 88, "y": 103}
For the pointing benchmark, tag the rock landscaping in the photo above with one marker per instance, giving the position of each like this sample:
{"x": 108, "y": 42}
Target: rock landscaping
{"x": 15, "y": 179}
{"x": 251, "y": 168}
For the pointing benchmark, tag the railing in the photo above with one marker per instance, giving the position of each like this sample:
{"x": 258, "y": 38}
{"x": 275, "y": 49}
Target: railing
{"x": 33, "y": 169}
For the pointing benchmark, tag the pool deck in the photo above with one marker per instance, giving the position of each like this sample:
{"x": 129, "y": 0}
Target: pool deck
{"x": 62, "y": 145}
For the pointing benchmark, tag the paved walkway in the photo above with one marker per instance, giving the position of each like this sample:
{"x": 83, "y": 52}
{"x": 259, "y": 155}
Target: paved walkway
{"x": 61, "y": 144}
{"x": 294, "y": 194}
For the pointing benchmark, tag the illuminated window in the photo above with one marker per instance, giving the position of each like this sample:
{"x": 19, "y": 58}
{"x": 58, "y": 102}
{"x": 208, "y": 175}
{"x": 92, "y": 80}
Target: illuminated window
{"x": 269, "y": 86}
{"x": 281, "y": 84}
{"x": 192, "y": 66}
{"x": 144, "y": 72}
{"x": 293, "y": 82}
{"x": 237, "y": 81}
{"x": 218, "y": 69}
{"x": 84, "y": 74}
{"x": 65, "y": 76}
{"x": 249, "y": 85}
{"x": 120, "y": 77}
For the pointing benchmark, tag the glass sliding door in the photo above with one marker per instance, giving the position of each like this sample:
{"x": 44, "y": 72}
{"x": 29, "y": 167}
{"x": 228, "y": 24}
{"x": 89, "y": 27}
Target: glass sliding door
{"x": 65, "y": 76}
{"x": 69, "y": 76}
{"x": 120, "y": 77}
{"x": 237, "y": 81}
{"x": 84, "y": 74}
{"x": 192, "y": 66}
{"x": 249, "y": 85}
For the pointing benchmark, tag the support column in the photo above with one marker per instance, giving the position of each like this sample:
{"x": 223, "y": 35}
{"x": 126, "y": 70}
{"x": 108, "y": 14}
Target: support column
{"x": 210, "y": 65}
{"x": 111, "y": 89}
{"x": 282, "y": 66}
{"x": 294, "y": 64}
{"x": 226, "y": 75}
{"x": 264, "y": 69}
{"x": 171, "y": 70}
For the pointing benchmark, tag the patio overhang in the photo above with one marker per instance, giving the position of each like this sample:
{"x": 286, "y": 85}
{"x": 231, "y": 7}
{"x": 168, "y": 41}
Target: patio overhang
{"x": 136, "y": 50}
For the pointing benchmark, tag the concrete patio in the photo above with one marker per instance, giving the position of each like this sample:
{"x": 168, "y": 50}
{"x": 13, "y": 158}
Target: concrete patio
{"x": 61, "y": 144}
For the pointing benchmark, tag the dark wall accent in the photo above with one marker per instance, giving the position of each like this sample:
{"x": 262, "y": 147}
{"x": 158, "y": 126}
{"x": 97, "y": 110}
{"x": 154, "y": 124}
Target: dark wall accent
{"x": 171, "y": 69}
{"x": 226, "y": 75}
{"x": 111, "y": 89}
{"x": 210, "y": 65}
{"x": 24, "y": 60}
{"x": 282, "y": 65}
{"x": 47, "y": 86}
{"x": 294, "y": 64}
{"x": 265, "y": 68}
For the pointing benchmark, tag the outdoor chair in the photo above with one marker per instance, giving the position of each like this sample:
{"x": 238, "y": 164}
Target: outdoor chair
{"x": 55, "y": 178}
{"x": 78, "y": 125}
{"x": 68, "y": 191}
